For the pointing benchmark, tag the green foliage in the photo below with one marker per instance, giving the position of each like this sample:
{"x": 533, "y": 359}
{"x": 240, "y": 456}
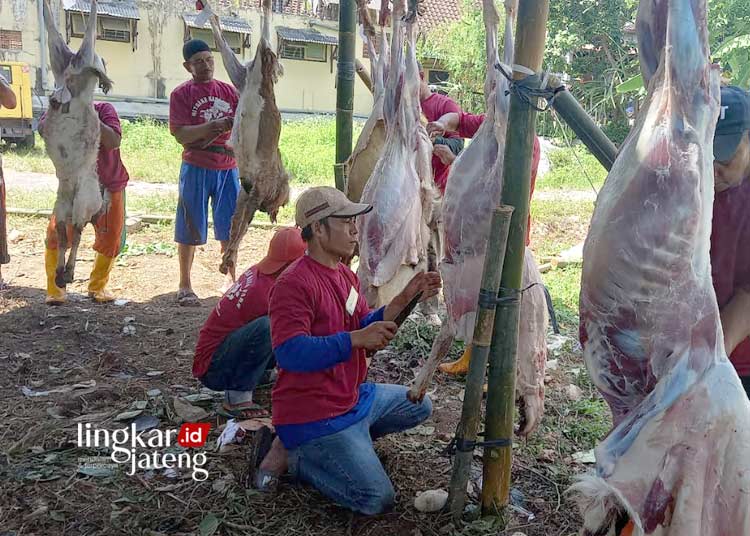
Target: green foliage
{"x": 572, "y": 169}
{"x": 308, "y": 149}
{"x": 150, "y": 153}
{"x": 564, "y": 285}
{"x": 590, "y": 422}
{"x": 459, "y": 47}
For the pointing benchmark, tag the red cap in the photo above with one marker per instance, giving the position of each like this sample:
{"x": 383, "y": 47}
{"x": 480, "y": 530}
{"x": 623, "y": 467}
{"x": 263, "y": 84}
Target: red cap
{"x": 286, "y": 247}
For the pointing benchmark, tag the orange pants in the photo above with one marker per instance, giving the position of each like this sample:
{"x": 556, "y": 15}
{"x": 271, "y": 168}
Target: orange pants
{"x": 108, "y": 227}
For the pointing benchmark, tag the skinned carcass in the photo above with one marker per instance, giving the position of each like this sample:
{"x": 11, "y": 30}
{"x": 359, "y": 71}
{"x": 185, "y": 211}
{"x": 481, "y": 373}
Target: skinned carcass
{"x": 369, "y": 147}
{"x": 394, "y": 236}
{"x": 255, "y": 133}
{"x": 71, "y": 135}
{"x": 677, "y": 461}
{"x": 475, "y": 181}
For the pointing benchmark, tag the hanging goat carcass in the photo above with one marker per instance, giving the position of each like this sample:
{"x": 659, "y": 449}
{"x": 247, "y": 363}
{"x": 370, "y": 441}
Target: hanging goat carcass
{"x": 473, "y": 190}
{"x": 366, "y": 153}
{"x": 71, "y": 135}
{"x": 394, "y": 236}
{"x": 255, "y": 133}
{"x": 677, "y": 461}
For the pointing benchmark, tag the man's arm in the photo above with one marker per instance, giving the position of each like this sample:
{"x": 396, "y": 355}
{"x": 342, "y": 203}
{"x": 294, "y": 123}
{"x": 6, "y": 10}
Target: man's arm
{"x": 190, "y": 135}
{"x": 7, "y": 97}
{"x": 735, "y": 320}
{"x": 110, "y": 128}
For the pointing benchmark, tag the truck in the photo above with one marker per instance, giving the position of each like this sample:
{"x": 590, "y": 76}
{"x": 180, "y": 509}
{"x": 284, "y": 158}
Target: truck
{"x": 17, "y": 125}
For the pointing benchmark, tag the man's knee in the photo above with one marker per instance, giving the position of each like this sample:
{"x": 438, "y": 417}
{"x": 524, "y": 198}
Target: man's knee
{"x": 424, "y": 409}
{"x": 376, "y": 501}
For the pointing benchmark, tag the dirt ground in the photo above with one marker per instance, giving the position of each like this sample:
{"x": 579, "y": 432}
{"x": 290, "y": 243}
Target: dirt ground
{"x": 83, "y": 347}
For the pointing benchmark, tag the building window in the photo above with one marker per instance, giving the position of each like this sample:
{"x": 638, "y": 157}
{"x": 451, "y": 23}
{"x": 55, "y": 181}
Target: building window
{"x": 233, "y": 38}
{"x": 277, "y": 6}
{"x": 7, "y": 73}
{"x": 10, "y": 40}
{"x": 437, "y": 78}
{"x": 293, "y": 50}
{"x": 108, "y": 28}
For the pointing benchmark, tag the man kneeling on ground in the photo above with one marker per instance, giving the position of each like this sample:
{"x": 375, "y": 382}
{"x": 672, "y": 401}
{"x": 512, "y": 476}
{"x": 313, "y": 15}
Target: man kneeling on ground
{"x": 234, "y": 345}
{"x": 324, "y": 413}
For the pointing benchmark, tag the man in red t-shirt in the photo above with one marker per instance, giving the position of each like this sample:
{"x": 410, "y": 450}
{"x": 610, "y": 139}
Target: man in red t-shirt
{"x": 466, "y": 126}
{"x": 201, "y": 113}
{"x": 321, "y": 328}
{"x": 730, "y": 232}
{"x": 110, "y": 224}
{"x": 234, "y": 345}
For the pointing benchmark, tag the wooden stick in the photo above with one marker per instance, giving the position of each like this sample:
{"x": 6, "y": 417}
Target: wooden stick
{"x": 480, "y": 348}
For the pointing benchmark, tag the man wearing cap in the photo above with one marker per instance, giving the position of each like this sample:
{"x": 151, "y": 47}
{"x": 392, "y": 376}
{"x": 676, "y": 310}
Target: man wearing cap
{"x": 201, "y": 113}
{"x": 234, "y": 345}
{"x": 730, "y": 233}
{"x": 324, "y": 413}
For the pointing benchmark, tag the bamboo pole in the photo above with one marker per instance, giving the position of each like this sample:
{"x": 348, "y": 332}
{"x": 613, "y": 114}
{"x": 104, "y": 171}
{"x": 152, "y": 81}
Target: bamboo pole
{"x": 583, "y": 125}
{"x": 466, "y": 434}
{"x": 364, "y": 75}
{"x": 345, "y": 83}
{"x": 530, "y": 32}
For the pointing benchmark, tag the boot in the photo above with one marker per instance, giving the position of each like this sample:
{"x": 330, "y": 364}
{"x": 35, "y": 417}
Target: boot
{"x": 99, "y": 277}
{"x": 460, "y": 366}
{"x": 55, "y": 294}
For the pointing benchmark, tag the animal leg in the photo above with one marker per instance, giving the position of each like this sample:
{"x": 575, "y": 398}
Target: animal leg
{"x": 440, "y": 349}
{"x": 247, "y": 204}
{"x": 70, "y": 266}
{"x": 62, "y": 245}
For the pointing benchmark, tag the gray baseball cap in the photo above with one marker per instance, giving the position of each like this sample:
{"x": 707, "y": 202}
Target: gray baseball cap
{"x": 734, "y": 121}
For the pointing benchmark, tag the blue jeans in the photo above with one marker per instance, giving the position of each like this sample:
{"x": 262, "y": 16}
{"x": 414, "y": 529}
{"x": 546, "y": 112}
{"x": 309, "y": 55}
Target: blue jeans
{"x": 240, "y": 361}
{"x": 344, "y": 467}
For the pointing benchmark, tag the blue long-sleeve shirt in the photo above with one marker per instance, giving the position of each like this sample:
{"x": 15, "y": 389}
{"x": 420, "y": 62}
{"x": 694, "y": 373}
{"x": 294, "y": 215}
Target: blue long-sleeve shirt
{"x": 305, "y": 353}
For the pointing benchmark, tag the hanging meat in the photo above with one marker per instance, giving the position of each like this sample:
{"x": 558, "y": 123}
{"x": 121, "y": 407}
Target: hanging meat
{"x": 366, "y": 153}
{"x": 475, "y": 181}
{"x": 393, "y": 237}
{"x": 255, "y": 133}
{"x": 677, "y": 461}
{"x": 71, "y": 134}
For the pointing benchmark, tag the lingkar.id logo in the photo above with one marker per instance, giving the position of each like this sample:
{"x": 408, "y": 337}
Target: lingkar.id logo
{"x": 153, "y": 450}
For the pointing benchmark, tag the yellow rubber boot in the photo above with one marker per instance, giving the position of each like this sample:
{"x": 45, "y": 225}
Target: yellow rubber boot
{"x": 99, "y": 278}
{"x": 460, "y": 366}
{"x": 55, "y": 294}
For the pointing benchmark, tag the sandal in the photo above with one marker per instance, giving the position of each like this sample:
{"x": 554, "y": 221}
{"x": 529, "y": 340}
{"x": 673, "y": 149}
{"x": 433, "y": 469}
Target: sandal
{"x": 242, "y": 412}
{"x": 187, "y": 298}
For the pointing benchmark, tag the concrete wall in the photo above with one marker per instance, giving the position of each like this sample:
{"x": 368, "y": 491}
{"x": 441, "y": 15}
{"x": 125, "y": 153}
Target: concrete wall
{"x": 306, "y": 85}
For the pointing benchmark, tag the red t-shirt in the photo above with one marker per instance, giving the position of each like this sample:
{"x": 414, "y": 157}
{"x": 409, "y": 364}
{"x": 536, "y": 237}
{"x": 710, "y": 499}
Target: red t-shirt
{"x": 310, "y": 299}
{"x": 244, "y": 302}
{"x": 730, "y": 256}
{"x": 109, "y": 167}
{"x": 194, "y": 103}
{"x": 468, "y": 124}
{"x": 434, "y": 107}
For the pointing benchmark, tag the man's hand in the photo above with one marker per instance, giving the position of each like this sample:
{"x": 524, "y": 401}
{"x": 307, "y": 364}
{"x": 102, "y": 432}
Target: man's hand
{"x": 436, "y": 128}
{"x": 444, "y": 153}
{"x": 217, "y": 127}
{"x": 428, "y": 283}
{"x": 374, "y": 337}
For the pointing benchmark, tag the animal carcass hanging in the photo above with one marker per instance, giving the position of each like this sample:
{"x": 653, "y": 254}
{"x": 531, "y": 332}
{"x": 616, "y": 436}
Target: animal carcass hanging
{"x": 677, "y": 461}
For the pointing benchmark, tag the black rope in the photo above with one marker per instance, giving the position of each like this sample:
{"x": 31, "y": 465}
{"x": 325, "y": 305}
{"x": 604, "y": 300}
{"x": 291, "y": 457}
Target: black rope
{"x": 505, "y": 296}
{"x": 528, "y": 94}
{"x": 460, "y": 444}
